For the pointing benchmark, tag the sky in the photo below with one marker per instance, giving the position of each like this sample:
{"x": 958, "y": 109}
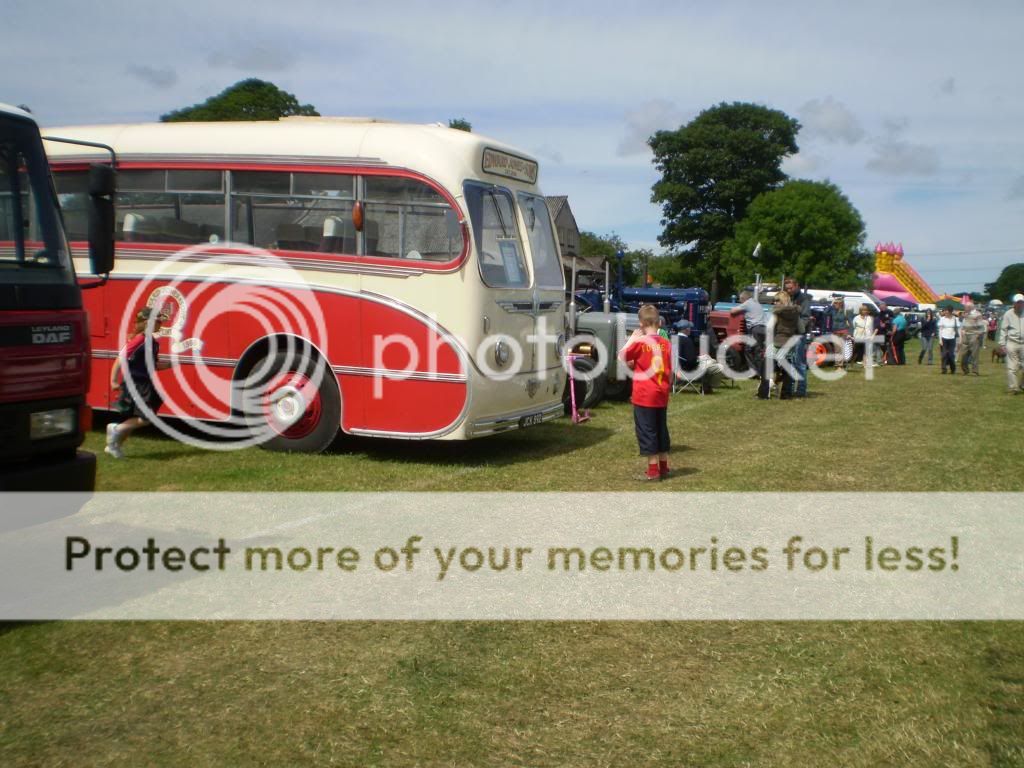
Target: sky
{"x": 914, "y": 109}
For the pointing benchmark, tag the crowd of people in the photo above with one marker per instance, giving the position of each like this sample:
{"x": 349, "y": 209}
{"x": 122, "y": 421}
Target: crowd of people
{"x": 781, "y": 335}
{"x": 960, "y": 336}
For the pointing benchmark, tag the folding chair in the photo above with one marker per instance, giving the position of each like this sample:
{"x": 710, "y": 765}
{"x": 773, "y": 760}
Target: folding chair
{"x": 692, "y": 380}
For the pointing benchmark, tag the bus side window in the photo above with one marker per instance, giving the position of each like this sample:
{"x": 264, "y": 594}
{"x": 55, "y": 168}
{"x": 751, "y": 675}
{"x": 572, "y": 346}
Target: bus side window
{"x": 408, "y": 219}
{"x": 170, "y": 206}
{"x": 280, "y": 210}
{"x": 73, "y": 193}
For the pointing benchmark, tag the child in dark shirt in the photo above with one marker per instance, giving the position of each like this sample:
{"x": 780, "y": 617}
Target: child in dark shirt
{"x": 131, "y": 365}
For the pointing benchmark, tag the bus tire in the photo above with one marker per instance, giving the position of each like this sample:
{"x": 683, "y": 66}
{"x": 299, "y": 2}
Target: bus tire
{"x": 620, "y": 389}
{"x": 589, "y": 388}
{"x": 290, "y": 385}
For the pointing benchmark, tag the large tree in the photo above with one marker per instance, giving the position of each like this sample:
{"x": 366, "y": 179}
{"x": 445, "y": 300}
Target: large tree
{"x": 606, "y": 247}
{"x": 245, "y": 100}
{"x": 1009, "y": 282}
{"x": 807, "y": 229}
{"x": 711, "y": 169}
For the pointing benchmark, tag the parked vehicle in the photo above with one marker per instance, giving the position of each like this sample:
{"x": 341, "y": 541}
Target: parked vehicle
{"x": 44, "y": 332}
{"x": 600, "y": 334}
{"x": 384, "y": 230}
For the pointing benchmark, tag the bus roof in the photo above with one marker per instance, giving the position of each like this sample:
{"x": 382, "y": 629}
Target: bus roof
{"x": 444, "y": 154}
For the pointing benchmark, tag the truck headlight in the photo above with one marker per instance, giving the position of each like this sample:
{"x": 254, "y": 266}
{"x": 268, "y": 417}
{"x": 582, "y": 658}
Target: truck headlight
{"x": 44, "y": 424}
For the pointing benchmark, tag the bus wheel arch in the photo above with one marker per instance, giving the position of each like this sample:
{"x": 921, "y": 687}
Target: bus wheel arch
{"x": 299, "y": 397}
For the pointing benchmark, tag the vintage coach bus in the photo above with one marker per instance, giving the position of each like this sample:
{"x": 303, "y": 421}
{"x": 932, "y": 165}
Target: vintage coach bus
{"x": 428, "y": 252}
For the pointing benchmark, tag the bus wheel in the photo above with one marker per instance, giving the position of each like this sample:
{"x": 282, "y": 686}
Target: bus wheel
{"x": 617, "y": 390}
{"x": 300, "y": 404}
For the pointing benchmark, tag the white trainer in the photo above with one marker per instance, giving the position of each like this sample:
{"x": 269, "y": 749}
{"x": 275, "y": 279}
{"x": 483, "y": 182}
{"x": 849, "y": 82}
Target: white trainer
{"x": 113, "y": 446}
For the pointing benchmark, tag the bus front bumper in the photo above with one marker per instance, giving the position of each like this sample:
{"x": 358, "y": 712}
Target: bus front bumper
{"x": 71, "y": 473}
{"x": 515, "y": 420}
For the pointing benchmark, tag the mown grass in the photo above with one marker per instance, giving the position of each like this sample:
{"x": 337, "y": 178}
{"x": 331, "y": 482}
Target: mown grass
{"x": 559, "y": 693}
{"x": 909, "y": 429}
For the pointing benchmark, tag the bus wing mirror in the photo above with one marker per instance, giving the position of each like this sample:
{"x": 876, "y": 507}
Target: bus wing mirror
{"x": 102, "y": 186}
{"x": 358, "y": 216}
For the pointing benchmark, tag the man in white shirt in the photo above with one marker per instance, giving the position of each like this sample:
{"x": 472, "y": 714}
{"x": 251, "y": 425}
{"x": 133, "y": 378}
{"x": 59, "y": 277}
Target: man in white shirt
{"x": 1011, "y": 341}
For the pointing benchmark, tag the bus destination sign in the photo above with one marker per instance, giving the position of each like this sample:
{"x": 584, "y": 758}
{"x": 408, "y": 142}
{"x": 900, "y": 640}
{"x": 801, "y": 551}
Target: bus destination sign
{"x": 510, "y": 166}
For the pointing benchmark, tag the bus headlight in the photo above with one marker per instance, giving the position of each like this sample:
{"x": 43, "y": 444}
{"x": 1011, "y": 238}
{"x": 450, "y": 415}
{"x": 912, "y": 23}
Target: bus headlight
{"x": 44, "y": 424}
{"x": 502, "y": 353}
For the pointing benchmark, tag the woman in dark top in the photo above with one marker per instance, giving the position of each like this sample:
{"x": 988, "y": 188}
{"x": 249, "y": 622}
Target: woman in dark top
{"x": 928, "y": 330}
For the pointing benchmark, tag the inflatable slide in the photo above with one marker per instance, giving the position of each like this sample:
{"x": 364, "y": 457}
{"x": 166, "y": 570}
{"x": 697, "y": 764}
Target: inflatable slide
{"x": 895, "y": 277}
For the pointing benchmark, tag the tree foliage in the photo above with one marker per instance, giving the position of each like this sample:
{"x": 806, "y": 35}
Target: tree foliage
{"x": 250, "y": 99}
{"x": 667, "y": 271}
{"x": 606, "y": 247}
{"x": 711, "y": 170}
{"x": 807, "y": 229}
{"x": 1009, "y": 282}
{"x": 461, "y": 124}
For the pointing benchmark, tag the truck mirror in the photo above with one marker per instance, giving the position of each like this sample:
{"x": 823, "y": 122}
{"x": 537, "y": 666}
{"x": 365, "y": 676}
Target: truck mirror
{"x": 102, "y": 186}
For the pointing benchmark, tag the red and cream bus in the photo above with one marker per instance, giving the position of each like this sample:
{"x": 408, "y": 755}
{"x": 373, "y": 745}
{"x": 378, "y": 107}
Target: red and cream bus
{"x": 420, "y": 263}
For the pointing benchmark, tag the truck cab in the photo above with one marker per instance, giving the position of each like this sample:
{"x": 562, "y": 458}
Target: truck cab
{"x": 44, "y": 336}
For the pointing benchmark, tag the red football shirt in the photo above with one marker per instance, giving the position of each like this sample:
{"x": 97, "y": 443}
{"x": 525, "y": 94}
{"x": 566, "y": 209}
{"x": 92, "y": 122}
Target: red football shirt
{"x": 652, "y": 370}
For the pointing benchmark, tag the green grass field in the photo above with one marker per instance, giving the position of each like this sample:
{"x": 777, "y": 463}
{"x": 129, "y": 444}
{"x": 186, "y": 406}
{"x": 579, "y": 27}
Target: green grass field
{"x": 559, "y": 693}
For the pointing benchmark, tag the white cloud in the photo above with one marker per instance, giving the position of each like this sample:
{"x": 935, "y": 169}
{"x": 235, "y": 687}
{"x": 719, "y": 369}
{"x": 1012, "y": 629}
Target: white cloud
{"x": 548, "y": 152}
{"x": 157, "y": 77}
{"x": 642, "y": 122}
{"x": 1017, "y": 189}
{"x": 247, "y": 57}
{"x": 830, "y": 120}
{"x": 802, "y": 164}
{"x": 552, "y": 92}
{"x": 894, "y": 156}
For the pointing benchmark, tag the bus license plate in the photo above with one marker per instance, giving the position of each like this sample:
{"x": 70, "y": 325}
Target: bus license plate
{"x": 531, "y": 420}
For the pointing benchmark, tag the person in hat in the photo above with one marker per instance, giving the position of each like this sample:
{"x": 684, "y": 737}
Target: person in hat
{"x": 691, "y": 360}
{"x": 1011, "y": 342}
{"x": 838, "y": 324}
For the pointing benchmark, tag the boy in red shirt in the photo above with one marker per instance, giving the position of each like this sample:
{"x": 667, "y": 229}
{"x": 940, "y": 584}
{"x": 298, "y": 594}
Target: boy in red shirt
{"x": 650, "y": 356}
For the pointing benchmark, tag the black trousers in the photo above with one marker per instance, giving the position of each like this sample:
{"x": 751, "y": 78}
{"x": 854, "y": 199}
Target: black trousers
{"x": 948, "y": 355}
{"x": 755, "y": 354}
{"x": 858, "y": 351}
{"x": 899, "y": 338}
